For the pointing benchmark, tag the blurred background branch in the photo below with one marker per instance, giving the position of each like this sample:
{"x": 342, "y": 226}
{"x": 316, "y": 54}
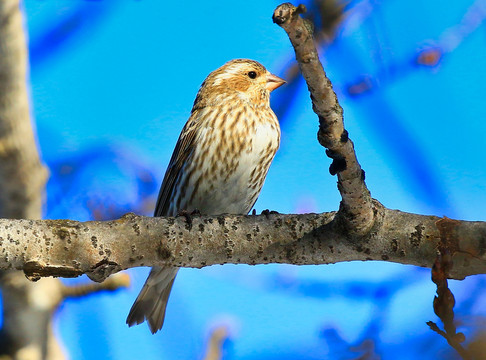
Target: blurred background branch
{"x": 22, "y": 175}
{"x": 28, "y": 307}
{"x": 26, "y": 332}
{"x": 217, "y": 337}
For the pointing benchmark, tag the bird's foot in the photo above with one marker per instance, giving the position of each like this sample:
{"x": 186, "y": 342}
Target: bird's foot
{"x": 195, "y": 212}
{"x": 188, "y": 216}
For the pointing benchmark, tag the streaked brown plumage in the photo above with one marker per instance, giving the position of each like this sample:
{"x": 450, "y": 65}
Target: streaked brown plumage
{"x": 219, "y": 163}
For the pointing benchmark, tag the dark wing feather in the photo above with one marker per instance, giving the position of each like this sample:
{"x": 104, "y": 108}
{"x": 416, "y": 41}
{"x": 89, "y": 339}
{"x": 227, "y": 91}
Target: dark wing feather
{"x": 181, "y": 152}
{"x": 151, "y": 303}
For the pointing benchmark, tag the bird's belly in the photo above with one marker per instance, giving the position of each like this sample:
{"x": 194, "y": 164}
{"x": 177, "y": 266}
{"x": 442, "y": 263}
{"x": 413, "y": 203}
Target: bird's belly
{"x": 230, "y": 194}
{"x": 233, "y": 182}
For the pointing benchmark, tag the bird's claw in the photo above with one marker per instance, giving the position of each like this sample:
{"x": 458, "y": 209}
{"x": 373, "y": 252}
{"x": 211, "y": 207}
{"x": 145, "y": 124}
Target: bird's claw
{"x": 195, "y": 212}
{"x": 188, "y": 216}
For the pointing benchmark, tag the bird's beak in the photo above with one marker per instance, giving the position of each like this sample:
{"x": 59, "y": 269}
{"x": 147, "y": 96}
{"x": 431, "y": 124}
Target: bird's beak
{"x": 273, "y": 82}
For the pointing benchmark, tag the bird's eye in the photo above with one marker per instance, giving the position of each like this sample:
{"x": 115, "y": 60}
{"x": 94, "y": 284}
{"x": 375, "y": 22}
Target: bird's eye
{"x": 252, "y": 74}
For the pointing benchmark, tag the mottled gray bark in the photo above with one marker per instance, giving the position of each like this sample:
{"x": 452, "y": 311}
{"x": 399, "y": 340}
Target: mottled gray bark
{"x": 356, "y": 210}
{"x": 99, "y": 248}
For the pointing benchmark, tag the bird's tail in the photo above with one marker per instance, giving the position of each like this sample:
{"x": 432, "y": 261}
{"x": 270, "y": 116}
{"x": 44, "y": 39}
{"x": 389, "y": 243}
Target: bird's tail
{"x": 151, "y": 302}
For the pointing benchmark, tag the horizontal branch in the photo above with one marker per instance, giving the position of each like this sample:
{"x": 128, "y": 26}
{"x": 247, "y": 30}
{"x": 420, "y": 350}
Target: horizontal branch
{"x": 99, "y": 248}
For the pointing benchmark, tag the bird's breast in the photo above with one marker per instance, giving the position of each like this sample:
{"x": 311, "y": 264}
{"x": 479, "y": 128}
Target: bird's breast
{"x": 229, "y": 163}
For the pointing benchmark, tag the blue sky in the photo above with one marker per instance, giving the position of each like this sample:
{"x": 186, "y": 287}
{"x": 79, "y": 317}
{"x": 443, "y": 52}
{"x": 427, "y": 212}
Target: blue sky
{"x": 112, "y": 83}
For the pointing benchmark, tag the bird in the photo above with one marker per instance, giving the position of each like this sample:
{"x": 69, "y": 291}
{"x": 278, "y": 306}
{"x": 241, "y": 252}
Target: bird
{"x": 219, "y": 163}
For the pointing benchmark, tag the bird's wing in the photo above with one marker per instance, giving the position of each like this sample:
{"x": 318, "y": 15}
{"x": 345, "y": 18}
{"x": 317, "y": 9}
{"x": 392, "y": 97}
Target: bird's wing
{"x": 182, "y": 151}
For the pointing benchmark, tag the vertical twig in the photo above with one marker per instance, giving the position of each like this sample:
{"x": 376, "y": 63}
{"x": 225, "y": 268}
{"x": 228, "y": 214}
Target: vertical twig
{"x": 357, "y": 209}
{"x": 214, "y": 350}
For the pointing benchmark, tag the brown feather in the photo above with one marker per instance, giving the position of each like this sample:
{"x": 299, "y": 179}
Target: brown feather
{"x": 219, "y": 163}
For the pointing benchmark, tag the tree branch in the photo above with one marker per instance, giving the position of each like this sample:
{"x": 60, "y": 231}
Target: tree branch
{"x": 99, "y": 248}
{"x": 356, "y": 210}
{"x": 27, "y": 330}
{"x": 22, "y": 175}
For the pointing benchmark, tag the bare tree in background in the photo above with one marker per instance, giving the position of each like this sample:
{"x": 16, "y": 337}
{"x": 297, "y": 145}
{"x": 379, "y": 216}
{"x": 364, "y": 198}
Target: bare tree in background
{"x": 27, "y": 306}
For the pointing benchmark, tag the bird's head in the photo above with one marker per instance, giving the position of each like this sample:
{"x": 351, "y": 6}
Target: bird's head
{"x": 247, "y": 80}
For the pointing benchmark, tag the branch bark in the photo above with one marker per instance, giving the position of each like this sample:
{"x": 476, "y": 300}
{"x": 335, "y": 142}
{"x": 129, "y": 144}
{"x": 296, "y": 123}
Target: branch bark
{"x": 356, "y": 210}
{"x": 99, "y": 248}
